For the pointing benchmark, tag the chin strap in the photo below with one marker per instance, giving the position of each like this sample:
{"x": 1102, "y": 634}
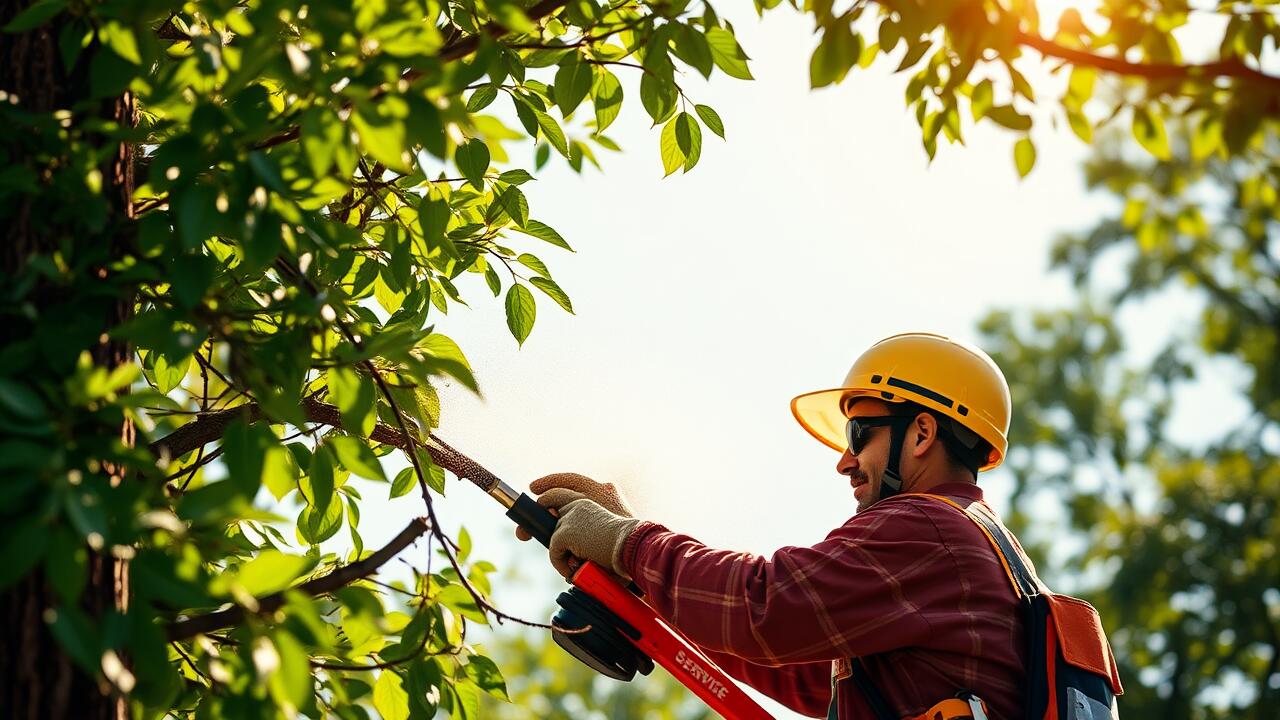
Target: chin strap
{"x": 891, "y": 481}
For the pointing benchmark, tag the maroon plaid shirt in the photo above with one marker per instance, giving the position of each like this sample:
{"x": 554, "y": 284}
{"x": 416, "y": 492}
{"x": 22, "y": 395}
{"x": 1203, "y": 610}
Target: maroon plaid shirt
{"x": 910, "y": 585}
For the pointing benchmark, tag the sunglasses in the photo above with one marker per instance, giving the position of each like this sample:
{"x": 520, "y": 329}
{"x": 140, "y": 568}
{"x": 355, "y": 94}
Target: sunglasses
{"x": 858, "y": 430}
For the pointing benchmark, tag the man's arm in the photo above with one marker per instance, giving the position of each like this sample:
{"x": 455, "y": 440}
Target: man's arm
{"x": 857, "y": 592}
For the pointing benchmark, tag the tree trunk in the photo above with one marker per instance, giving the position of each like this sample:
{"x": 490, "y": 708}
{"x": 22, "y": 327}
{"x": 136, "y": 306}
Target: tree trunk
{"x": 38, "y": 679}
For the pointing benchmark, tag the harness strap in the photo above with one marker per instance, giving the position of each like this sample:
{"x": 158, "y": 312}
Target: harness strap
{"x": 1024, "y": 581}
{"x": 1025, "y": 584}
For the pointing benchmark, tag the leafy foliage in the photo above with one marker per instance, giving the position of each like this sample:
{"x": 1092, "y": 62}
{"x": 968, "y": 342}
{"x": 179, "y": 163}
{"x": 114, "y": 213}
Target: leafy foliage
{"x": 964, "y": 53}
{"x": 312, "y": 185}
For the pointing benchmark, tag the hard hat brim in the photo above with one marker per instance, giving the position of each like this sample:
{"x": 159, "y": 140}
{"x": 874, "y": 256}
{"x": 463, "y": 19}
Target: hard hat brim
{"x": 821, "y": 414}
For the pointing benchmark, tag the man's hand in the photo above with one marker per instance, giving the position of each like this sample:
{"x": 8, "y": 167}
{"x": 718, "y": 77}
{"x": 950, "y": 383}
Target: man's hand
{"x": 588, "y": 531}
{"x": 558, "y": 489}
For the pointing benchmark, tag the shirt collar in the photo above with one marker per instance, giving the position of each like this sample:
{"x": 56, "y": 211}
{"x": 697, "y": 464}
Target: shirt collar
{"x": 968, "y": 491}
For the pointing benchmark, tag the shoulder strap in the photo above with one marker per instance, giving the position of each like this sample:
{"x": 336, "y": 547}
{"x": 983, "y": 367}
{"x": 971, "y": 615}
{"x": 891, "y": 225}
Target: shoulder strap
{"x": 1024, "y": 581}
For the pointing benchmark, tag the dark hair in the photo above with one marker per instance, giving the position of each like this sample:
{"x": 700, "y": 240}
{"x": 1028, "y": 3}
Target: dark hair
{"x": 964, "y": 447}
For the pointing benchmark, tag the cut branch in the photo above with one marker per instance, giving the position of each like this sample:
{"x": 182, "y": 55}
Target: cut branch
{"x": 1232, "y": 68}
{"x": 338, "y": 578}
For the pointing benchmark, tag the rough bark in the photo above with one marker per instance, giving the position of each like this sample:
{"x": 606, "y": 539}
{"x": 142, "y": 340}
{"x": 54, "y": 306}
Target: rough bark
{"x": 37, "y": 678}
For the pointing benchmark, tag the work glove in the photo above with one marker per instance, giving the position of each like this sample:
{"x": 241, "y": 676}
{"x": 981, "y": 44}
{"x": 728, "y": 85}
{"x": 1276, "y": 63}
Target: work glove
{"x": 588, "y": 531}
{"x": 557, "y": 489}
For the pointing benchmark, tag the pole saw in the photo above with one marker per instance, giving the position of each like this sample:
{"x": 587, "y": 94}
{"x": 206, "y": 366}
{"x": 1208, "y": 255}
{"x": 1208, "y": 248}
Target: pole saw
{"x": 600, "y": 622}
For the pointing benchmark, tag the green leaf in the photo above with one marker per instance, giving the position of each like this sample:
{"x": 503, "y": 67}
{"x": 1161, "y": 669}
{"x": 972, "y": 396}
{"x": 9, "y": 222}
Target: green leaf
{"x": 485, "y": 674}
{"x": 673, "y": 156}
{"x": 355, "y": 397}
{"x": 291, "y": 683}
{"x": 404, "y": 482}
{"x": 1148, "y": 129}
{"x": 681, "y": 143}
{"x": 472, "y": 158}
{"x": 711, "y": 119}
{"x": 121, "y": 40}
{"x": 1080, "y": 124}
{"x": 533, "y": 263}
{"x": 515, "y": 205}
{"x": 552, "y": 132}
{"x": 544, "y": 232}
{"x": 493, "y": 281}
{"x": 1005, "y": 115}
{"x": 356, "y": 456}
{"x": 689, "y": 137}
{"x": 1080, "y": 86}
{"x": 167, "y": 375}
{"x": 280, "y": 472}
{"x": 244, "y": 453}
{"x": 1024, "y": 156}
{"x": 383, "y": 136}
{"x": 20, "y": 400}
{"x": 573, "y": 82}
{"x": 272, "y": 571}
{"x": 521, "y": 311}
{"x": 981, "y": 99}
{"x": 658, "y": 96}
{"x": 515, "y": 177}
{"x": 835, "y": 55}
{"x": 389, "y": 697}
{"x": 34, "y": 16}
{"x": 728, "y": 55}
{"x": 549, "y": 286}
{"x": 317, "y": 485}
{"x": 481, "y": 98}
{"x": 606, "y": 96}
{"x": 446, "y": 354}
{"x": 692, "y": 47}
{"x": 433, "y": 217}
{"x": 315, "y": 526}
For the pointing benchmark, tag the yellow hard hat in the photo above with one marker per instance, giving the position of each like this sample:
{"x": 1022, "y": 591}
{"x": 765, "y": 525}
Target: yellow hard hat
{"x": 952, "y": 378}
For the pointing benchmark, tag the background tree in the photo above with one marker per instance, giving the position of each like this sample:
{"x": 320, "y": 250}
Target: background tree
{"x": 1181, "y": 548}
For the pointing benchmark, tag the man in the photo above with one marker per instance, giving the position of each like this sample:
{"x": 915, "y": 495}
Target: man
{"x": 907, "y": 594}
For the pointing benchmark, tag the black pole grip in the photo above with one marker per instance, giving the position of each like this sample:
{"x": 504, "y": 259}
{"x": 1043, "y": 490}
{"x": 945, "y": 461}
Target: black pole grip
{"x": 540, "y": 523}
{"x": 535, "y": 519}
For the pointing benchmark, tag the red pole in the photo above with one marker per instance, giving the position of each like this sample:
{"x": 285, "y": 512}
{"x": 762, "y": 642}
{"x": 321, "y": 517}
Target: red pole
{"x": 668, "y": 648}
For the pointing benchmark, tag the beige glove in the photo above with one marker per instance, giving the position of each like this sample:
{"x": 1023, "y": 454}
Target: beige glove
{"x": 588, "y": 531}
{"x": 557, "y": 489}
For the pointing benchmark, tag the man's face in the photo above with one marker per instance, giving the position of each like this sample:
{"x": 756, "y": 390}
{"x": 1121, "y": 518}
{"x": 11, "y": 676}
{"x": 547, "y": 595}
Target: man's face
{"x": 866, "y": 468}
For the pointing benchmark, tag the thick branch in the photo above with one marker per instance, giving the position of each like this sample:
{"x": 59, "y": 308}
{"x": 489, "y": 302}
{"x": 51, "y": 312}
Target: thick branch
{"x": 340, "y": 577}
{"x": 211, "y": 426}
{"x": 1233, "y": 68}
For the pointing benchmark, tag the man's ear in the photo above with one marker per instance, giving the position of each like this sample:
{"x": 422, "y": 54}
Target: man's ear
{"x": 924, "y": 430}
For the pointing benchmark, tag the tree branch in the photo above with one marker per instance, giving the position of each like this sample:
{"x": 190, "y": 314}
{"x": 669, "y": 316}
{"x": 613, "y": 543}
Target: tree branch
{"x": 338, "y": 578}
{"x": 212, "y": 425}
{"x": 1233, "y": 68}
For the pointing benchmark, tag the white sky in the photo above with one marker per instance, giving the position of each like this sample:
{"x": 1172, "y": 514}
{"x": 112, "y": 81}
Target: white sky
{"x": 707, "y": 301}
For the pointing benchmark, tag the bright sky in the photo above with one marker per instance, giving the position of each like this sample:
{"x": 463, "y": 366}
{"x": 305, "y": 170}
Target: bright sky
{"x": 707, "y": 301}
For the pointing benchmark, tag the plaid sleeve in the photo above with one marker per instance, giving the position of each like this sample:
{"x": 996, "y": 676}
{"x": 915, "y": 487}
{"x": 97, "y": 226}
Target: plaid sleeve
{"x": 857, "y": 592}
